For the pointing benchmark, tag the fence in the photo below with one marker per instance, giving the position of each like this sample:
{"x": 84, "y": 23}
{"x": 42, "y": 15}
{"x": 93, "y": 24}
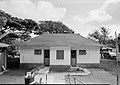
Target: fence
{"x": 73, "y": 80}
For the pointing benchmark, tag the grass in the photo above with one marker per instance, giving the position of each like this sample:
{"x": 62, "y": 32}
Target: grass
{"x": 110, "y": 66}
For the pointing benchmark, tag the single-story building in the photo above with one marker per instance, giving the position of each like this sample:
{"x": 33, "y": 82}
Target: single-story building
{"x": 60, "y": 51}
{"x": 3, "y": 57}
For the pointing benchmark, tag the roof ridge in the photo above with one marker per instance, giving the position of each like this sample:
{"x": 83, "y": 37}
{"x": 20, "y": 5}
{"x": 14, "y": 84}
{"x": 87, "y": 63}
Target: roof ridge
{"x": 64, "y": 40}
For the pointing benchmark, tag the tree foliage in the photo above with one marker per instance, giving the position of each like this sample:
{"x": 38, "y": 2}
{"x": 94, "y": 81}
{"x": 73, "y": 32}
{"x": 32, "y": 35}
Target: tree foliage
{"x": 102, "y": 37}
{"x": 28, "y": 26}
{"x": 52, "y": 27}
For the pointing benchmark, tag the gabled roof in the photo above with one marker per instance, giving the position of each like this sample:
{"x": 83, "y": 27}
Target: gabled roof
{"x": 60, "y": 40}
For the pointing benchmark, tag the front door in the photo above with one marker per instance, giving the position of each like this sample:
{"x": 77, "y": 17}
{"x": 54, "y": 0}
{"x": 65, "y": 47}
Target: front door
{"x": 46, "y": 57}
{"x": 73, "y": 58}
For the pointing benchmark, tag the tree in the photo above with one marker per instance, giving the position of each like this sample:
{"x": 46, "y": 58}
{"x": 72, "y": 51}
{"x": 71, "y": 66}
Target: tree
{"x": 52, "y": 27}
{"x": 3, "y": 21}
{"x": 105, "y": 32}
{"x": 95, "y": 36}
{"x": 102, "y": 36}
{"x": 28, "y": 26}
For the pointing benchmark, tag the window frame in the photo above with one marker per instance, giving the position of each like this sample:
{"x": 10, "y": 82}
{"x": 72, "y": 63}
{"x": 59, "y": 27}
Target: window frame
{"x": 37, "y": 53}
{"x": 84, "y": 52}
{"x": 57, "y": 55}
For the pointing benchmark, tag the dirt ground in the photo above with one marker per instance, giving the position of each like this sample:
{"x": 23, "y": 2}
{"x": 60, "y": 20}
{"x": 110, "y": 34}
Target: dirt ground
{"x": 15, "y": 76}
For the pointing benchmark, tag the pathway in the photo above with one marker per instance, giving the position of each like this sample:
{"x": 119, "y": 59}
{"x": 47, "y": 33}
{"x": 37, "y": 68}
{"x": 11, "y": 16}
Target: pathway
{"x": 56, "y": 78}
{"x": 52, "y": 78}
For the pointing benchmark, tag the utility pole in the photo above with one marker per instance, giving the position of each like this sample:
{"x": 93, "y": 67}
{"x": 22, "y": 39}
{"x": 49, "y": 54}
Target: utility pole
{"x": 117, "y": 58}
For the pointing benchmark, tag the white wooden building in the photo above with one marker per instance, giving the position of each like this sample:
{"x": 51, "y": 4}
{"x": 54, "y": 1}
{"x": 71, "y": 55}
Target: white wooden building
{"x": 59, "y": 51}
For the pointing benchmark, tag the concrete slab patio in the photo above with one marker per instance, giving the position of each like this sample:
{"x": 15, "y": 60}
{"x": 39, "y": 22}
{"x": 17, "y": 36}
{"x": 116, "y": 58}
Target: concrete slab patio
{"x": 56, "y": 78}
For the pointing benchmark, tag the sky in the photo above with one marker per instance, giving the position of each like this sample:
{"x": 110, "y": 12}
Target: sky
{"x": 83, "y": 16}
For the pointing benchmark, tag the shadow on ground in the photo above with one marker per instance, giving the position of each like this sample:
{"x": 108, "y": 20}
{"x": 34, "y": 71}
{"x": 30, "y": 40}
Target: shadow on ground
{"x": 14, "y": 76}
{"x": 15, "y": 72}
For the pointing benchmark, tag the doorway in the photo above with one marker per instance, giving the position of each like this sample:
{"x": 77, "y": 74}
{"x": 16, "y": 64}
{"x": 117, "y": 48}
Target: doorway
{"x": 46, "y": 57}
{"x": 73, "y": 58}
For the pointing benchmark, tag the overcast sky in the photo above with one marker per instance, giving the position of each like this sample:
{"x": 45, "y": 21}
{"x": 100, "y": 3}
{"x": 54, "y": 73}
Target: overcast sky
{"x": 83, "y": 16}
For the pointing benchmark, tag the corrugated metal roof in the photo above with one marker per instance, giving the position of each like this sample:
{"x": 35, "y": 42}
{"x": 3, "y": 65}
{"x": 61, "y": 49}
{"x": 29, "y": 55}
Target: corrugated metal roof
{"x": 60, "y": 40}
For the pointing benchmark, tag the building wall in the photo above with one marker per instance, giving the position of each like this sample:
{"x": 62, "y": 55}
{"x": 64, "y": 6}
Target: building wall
{"x": 92, "y": 56}
{"x": 27, "y": 56}
{"x": 54, "y": 61}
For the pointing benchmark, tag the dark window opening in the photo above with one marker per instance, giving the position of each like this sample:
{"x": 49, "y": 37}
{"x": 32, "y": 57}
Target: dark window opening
{"x": 60, "y": 54}
{"x": 37, "y": 52}
{"x": 82, "y": 52}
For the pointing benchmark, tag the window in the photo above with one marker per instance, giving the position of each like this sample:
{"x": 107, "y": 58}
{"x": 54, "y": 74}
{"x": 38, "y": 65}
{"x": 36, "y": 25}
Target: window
{"x": 82, "y": 52}
{"x": 37, "y": 52}
{"x": 60, "y": 54}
